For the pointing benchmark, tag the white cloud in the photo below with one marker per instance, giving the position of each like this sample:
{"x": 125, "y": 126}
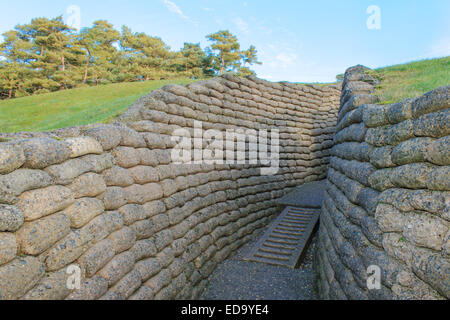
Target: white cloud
{"x": 286, "y": 58}
{"x": 265, "y": 30}
{"x": 242, "y": 25}
{"x": 279, "y": 60}
{"x": 286, "y": 61}
{"x": 283, "y": 60}
{"x": 175, "y": 9}
{"x": 441, "y": 48}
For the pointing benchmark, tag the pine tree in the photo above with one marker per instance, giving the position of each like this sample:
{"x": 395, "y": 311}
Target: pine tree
{"x": 249, "y": 57}
{"x": 145, "y": 57}
{"x": 15, "y": 52}
{"x": 52, "y": 51}
{"x": 100, "y": 55}
{"x": 225, "y": 51}
{"x": 192, "y": 59}
{"x": 11, "y": 78}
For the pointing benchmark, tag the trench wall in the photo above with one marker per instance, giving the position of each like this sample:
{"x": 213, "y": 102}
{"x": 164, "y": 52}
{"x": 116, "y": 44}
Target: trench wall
{"x": 108, "y": 201}
{"x": 387, "y": 201}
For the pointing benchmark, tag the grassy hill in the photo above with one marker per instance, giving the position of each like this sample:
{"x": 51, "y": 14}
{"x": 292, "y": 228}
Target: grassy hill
{"x": 101, "y": 104}
{"x": 73, "y": 107}
{"x": 412, "y": 80}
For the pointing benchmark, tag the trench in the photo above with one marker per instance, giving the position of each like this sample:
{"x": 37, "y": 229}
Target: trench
{"x": 239, "y": 279}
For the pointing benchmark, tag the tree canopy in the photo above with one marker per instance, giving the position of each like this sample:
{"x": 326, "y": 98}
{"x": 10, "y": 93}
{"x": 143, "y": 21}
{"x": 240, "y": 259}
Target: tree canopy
{"x": 47, "y": 55}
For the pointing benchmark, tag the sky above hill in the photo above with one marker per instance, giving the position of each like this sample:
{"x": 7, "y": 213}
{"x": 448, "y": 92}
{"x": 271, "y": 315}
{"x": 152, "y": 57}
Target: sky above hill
{"x": 297, "y": 40}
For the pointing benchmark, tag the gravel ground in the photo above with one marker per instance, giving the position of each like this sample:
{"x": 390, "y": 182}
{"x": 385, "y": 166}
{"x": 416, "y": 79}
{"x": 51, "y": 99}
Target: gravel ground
{"x": 236, "y": 279}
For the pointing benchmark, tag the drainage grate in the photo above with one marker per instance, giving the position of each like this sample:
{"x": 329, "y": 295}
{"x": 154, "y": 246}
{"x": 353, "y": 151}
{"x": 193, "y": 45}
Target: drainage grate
{"x": 285, "y": 241}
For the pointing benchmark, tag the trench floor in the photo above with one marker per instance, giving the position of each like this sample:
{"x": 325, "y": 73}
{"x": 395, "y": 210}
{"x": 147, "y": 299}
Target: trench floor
{"x": 236, "y": 279}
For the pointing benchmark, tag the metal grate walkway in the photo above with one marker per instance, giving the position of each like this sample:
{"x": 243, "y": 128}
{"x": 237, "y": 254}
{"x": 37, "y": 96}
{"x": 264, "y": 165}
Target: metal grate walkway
{"x": 285, "y": 241}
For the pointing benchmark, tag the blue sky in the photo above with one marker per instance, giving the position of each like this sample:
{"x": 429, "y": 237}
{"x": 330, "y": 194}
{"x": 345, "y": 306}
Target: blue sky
{"x": 297, "y": 40}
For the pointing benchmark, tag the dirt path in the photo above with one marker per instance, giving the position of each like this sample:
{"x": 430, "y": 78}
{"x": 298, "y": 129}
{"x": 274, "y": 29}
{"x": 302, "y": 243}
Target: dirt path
{"x": 236, "y": 279}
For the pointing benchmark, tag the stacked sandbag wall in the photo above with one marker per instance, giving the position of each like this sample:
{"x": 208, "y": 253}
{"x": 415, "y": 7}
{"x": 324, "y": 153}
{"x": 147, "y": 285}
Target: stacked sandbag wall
{"x": 387, "y": 201}
{"x": 108, "y": 201}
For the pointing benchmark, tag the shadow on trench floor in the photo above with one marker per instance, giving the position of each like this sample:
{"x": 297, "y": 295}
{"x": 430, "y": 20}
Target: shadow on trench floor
{"x": 236, "y": 279}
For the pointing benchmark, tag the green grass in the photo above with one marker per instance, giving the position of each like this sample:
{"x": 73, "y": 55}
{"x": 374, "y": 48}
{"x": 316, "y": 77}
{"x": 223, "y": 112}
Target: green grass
{"x": 411, "y": 80}
{"x": 103, "y": 103}
{"x": 74, "y": 107}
